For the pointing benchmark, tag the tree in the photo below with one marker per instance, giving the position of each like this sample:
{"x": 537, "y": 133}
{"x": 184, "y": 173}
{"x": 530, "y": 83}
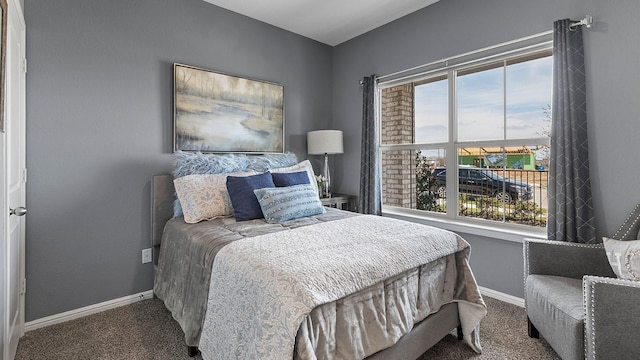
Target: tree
{"x": 542, "y": 153}
{"x": 546, "y": 128}
{"x": 426, "y": 185}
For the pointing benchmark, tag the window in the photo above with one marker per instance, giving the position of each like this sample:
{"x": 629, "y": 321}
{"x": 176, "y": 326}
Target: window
{"x": 488, "y": 120}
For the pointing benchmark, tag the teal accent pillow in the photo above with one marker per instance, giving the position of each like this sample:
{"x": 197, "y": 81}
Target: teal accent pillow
{"x": 245, "y": 204}
{"x": 288, "y": 203}
{"x": 290, "y": 179}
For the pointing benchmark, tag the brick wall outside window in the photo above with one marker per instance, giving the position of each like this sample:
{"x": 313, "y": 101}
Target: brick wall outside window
{"x": 398, "y": 166}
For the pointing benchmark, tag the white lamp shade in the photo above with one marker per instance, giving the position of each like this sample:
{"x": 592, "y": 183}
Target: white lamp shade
{"x": 321, "y": 142}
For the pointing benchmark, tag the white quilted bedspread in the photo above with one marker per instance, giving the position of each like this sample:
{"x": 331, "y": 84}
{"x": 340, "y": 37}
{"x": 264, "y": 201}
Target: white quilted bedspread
{"x": 263, "y": 287}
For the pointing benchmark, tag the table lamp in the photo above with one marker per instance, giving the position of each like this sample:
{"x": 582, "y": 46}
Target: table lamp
{"x": 325, "y": 142}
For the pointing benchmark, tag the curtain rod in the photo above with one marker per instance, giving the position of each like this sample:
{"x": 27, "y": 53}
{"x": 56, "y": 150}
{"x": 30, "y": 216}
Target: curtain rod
{"x": 453, "y": 58}
{"x": 587, "y": 21}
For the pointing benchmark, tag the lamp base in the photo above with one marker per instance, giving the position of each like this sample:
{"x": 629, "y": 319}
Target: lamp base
{"x": 326, "y": 191}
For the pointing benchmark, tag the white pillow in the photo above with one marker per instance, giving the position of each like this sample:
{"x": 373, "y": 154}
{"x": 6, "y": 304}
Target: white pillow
{"x": 624, "y": 257}
{"x": 302, "y": 166}
{"x": 205, "y": 196}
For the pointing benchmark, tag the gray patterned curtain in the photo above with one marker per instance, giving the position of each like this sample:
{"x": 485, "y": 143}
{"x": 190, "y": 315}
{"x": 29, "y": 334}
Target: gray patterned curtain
{"x": 570, "y": 203}
{"x": 370, "y": 196}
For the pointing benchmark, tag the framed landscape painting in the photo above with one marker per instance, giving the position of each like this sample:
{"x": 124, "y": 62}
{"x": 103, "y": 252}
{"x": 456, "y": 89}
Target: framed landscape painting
{"x": 216, "y": 112}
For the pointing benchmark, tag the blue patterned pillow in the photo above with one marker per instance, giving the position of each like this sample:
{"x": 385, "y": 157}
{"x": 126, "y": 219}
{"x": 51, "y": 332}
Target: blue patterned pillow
{"x": 301, "y": 166}
{"x": 287, "y": 203}
{"x": 244, "y": 201}
{"x": 290, "y": 179}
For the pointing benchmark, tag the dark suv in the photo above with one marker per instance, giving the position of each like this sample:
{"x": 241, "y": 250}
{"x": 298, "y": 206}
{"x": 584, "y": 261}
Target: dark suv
{"x": 477, "y": 181}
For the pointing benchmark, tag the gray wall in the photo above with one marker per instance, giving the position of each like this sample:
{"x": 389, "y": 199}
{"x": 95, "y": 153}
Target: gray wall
{"x": 453, "y": 27}
{"x": 99, "y": 125}
{"x": 99, "y": 113}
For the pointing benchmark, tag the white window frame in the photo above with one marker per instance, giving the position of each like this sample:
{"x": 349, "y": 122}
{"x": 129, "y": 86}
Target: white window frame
{"x": 450, "y": 67}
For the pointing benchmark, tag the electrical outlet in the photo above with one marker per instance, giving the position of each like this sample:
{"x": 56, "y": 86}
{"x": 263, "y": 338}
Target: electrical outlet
{"x": 146, "y": 255}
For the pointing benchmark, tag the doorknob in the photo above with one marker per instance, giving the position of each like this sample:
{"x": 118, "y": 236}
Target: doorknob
{"x": 19, "y": 211}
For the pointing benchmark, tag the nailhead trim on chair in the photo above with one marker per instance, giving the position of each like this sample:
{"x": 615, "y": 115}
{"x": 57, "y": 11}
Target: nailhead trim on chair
{"x": 588, "y": 296}
{"x": 585, "y": 299}
{"x": 550, "y": 242}
{"x": 636, "y": 213}
{"x": 565, "y": 243}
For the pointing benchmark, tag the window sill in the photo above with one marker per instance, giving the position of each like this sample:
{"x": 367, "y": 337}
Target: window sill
{"x": 467, "y": 227}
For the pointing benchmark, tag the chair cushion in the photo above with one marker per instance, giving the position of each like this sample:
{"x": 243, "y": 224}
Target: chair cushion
{"x": 555, "y": 307}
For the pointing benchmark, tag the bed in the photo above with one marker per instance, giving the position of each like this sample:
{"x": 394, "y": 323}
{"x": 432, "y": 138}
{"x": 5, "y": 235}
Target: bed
{"x": 210, "y": 273}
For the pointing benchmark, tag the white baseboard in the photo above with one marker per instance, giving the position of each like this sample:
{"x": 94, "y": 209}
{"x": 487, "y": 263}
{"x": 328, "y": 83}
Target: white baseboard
{"x": 502, "y": 296}
{"x": 87, "y": 310}
{"x": 126, "y": 300}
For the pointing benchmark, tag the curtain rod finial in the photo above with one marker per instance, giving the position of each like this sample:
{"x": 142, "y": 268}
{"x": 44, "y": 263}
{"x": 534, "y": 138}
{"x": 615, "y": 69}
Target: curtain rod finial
{"x": 587, "y": 21}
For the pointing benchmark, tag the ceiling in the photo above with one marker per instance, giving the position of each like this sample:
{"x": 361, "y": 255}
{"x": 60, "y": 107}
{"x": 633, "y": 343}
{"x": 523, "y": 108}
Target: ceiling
{"x": 328, "y": 21}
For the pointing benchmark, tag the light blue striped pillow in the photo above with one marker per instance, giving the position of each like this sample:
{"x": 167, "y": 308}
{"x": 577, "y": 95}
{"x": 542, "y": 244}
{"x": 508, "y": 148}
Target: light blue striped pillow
{"x": 290, "y": 202}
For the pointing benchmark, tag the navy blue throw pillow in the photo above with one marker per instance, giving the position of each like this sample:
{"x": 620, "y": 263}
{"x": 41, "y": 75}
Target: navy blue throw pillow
{"x": 244, "y": 201}
{"x": 290, "y": 179}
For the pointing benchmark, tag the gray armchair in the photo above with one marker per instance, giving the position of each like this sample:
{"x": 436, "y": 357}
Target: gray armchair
{"x": 573, "y": 298}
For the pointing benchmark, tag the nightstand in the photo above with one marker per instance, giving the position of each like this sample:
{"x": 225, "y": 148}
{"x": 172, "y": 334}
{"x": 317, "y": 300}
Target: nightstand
{"x": 341, "y": 201}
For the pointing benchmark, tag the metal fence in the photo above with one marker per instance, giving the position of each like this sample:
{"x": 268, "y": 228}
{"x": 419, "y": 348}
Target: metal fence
{"x": 522, "y": 199}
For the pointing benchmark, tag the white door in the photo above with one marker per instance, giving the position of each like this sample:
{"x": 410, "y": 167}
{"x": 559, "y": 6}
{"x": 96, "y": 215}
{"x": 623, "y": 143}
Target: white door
{"x": 3, "y": 250}
{"x": 15, "y": 177}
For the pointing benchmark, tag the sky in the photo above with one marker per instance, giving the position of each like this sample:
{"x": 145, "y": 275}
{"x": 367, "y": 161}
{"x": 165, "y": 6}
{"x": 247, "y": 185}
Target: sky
{"x": 480, "y": 104}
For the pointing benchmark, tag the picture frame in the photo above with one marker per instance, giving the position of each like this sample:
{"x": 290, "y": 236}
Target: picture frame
{"x": 4, "y": 8}
{"x": 218, "y": 112}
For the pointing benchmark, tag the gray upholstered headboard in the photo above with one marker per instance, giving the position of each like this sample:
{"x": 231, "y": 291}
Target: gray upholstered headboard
{"x": 162, "y": 196}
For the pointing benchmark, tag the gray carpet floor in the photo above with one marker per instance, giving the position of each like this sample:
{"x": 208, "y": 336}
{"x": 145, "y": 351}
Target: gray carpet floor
{"x": 145, "y": 330}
